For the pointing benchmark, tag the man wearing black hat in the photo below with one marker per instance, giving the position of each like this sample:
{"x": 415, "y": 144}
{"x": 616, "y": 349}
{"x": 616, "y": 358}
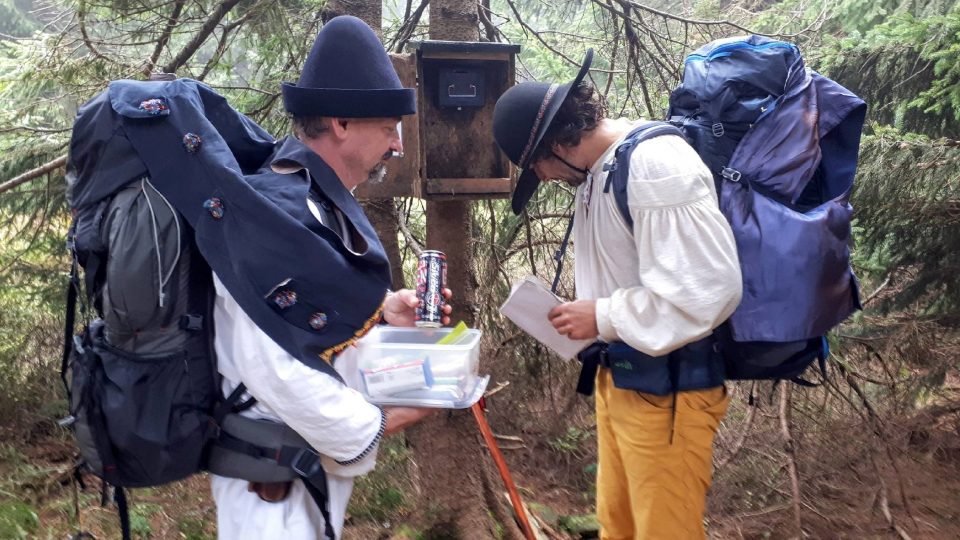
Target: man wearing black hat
{"x": 346, "y": 108}
{"x": 652, "y": 289}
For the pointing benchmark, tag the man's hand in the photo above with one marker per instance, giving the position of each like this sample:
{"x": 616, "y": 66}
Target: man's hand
{"x": 400, "y": 418}
{"x": 400, "y": 307}
{"x": 576, "y": 320}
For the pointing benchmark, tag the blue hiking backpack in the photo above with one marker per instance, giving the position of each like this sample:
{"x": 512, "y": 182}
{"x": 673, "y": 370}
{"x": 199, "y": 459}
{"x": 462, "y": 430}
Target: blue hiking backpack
{"x": 782, "y": 144}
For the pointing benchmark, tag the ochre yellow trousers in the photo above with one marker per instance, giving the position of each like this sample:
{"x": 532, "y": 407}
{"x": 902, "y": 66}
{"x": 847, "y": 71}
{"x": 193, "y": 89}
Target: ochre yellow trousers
{"x": 655, "y": 462}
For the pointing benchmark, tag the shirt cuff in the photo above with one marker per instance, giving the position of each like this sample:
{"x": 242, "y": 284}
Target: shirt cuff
{"x": 373, "y": 444}
{"x": 604, "y": 323}
{"x": 364, "y": 462}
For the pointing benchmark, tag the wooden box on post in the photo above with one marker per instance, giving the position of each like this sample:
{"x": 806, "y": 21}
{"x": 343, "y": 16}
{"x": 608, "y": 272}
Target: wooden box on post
{"x": 403, "y": 173}
{"x": 459, "y": 83}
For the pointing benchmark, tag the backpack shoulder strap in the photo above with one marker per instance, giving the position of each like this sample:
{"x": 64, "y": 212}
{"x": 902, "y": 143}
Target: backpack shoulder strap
{"x": 619, "y": 169}
{"x": 619, "y": 172}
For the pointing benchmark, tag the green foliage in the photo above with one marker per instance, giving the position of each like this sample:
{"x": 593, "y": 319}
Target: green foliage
{"x": 379, "y": 496}
{"x": 582, "y": 526}
{"x": 856, "y": 16}
{"x": 13, "y": 21}
{"x": 907, "y": 211}
{"x": 572, "y": 441}
{"x": 140, "y": 514}
{"x": 915, "y": 46}
{"x": 406, "y": 532}
{"x": 193, "y": 529}
{"x": 32, "y": 270}
{"x": 17, "y": 520}
{"x": 944, "y": 94}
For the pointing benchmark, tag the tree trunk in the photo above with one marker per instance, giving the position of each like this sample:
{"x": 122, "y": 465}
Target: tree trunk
{"x": 382, "y": 214}
{"x": 454, "y": 20}
{"x": 369, "y": 11}
{"x": 465, "y": 493}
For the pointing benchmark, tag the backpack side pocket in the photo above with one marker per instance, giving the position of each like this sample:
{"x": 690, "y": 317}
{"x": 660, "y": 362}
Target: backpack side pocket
{"x": 86, "y": 374}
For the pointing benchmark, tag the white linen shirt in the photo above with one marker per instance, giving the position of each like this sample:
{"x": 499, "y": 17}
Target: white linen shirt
{"x": 333, "y": 418}
{"x": 676, "y": 276}
{"x": 336, "y": 420}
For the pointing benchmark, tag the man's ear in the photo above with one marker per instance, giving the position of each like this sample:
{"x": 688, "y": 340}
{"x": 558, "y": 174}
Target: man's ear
{"x": 559, "y": 149}
{"x": 338, "y": 127}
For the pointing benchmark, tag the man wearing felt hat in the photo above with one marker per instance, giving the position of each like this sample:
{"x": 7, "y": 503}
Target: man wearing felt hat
{"x": 645, "y": 291}
{"x": 345, "y": 110}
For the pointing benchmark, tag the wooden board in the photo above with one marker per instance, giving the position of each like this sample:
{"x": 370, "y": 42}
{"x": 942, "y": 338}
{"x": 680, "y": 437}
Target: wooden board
{"x": 469, "y": 186}
{"x": 403, "y": 174}
{"x": 459, "y": 154}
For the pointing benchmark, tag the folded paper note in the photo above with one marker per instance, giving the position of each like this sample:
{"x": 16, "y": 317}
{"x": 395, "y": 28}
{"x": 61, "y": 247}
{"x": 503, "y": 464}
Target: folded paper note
{"x": 527, "y": 306}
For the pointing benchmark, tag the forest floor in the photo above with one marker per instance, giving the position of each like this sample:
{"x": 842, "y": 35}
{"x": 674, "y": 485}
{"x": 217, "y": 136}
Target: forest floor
{"x": 37, "y": 500}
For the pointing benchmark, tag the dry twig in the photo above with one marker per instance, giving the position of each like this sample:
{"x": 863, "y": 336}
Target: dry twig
{"x": 791, "y": 452}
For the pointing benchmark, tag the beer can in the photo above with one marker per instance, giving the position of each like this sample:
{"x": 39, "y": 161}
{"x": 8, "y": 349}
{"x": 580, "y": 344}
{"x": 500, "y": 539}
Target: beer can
{"x": 431, "y": 280}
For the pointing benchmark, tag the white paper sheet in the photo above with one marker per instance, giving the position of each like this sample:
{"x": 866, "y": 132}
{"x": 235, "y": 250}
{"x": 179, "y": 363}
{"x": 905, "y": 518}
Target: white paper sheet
{"x": 527, "y": 306}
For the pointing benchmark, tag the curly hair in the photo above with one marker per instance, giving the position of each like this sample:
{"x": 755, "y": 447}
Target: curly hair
{"x": 581, "y": 111}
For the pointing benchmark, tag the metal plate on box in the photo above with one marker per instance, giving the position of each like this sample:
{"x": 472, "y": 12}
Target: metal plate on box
{"x": 461, "y": 86}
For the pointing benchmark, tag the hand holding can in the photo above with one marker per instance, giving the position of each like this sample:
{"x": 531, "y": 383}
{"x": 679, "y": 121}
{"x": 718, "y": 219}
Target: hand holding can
{"x": 400, "y": 307}
{"x": 431, "y": 281}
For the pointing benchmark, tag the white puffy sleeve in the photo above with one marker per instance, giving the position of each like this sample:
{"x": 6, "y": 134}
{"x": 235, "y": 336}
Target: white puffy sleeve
{"x": 688, "y": 268}
{"x": 333, "y": 418}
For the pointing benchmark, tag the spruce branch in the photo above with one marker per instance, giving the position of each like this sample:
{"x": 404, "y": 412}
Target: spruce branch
{"x": 34, "y": 173}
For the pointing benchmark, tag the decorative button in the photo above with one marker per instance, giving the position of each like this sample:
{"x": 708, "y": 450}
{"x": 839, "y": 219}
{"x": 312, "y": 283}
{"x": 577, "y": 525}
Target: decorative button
{"x": 192, "y": 142}
{"x": 215, "y": 206}
{"x": 318, "y": 320}
{"x": 154, "y": 106}
{"x": 285, "y": 298}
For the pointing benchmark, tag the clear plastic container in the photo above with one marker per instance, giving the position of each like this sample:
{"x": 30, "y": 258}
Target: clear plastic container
{"x": 406, "y": 366}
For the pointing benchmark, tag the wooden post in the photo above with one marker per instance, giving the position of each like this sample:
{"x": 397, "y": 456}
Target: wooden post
{"x": 464, "y": 490}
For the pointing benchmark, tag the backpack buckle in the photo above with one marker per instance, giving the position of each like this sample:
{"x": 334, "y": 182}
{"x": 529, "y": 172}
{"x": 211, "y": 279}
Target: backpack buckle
{"x": 718, "y": 130}
{"x": 604, "y": 356}
{"x": 305, "y": 463}
{"x": 191, "y": 322}
{"x": 730, "y": 174}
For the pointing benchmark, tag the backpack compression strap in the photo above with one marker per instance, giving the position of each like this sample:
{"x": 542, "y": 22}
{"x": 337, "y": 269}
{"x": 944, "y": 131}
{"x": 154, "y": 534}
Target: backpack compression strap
{"x": 619, "y": 171}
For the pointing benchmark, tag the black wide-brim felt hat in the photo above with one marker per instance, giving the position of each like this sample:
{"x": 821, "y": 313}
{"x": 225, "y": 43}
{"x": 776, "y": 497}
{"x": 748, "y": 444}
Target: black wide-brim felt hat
{"x": 348, "y": 74}
{"x": 522, "y": 116}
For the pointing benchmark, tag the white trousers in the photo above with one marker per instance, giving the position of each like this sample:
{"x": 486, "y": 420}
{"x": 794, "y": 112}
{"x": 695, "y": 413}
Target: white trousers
{"x": 242, "y": 515}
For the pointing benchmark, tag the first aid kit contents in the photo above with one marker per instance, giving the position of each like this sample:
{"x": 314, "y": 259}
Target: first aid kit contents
{"x": 418, "y": 367}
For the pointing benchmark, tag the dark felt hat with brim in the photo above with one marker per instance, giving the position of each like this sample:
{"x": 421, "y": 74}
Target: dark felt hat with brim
{"x": 348, "y": 75}
{"x": 522, "y": 116}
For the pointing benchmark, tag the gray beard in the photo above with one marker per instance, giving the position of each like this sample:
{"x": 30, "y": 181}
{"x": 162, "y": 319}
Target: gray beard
{"x": 377, "y": 174}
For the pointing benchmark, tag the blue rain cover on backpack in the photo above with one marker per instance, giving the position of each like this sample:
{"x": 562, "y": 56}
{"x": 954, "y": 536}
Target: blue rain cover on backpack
{"x": 782, "y": 143}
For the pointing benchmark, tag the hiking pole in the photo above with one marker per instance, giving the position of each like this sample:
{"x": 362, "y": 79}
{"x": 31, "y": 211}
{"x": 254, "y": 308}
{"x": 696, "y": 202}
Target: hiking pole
{"x": 478, "y": 413}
